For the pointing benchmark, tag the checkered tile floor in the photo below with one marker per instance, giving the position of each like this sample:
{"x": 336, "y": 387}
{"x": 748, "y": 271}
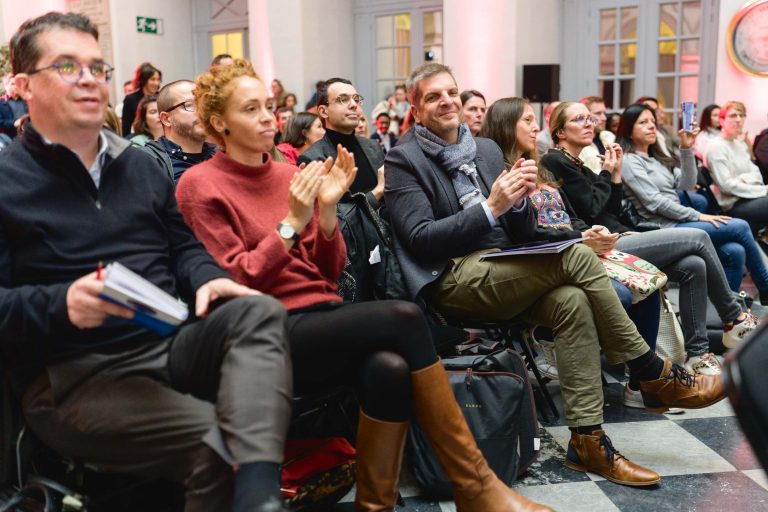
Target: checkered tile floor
{"x": 705, "y": 462}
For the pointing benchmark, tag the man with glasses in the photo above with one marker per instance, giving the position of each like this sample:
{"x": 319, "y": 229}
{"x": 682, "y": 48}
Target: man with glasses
{"x": 94, "y": 385}
{"x": 340, "y": 107}
{"x": 183, "y": 142}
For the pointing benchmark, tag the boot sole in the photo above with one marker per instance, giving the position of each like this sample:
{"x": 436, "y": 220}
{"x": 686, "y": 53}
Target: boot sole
{"x": 583, "y": 469}
{"x": 665, "y": 408}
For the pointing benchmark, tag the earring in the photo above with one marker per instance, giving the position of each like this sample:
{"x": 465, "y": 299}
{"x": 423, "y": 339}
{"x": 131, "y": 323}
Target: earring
{"x": 226, "y": 131}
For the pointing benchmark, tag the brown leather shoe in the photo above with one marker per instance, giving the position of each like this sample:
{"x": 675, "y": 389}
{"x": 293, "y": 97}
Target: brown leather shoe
{"x": 596, "y": 454}
{"x": 678, "y": 388}
{"x": 476, "y": 488}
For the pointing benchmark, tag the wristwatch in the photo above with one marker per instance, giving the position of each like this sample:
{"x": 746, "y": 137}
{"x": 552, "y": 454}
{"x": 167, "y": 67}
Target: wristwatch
{"x": 287, "y": 232}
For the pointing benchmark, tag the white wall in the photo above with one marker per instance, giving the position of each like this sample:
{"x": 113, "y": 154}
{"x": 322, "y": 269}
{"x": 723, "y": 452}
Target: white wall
{"x": 170, "y": 52}
{"x": 15, "y": 12}
{"x": 538, "y": 36}
{"x": 733, "y": 84}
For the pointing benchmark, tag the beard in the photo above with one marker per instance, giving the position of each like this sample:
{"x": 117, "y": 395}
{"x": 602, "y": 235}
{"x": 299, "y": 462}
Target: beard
{"x": 189, "y": 131}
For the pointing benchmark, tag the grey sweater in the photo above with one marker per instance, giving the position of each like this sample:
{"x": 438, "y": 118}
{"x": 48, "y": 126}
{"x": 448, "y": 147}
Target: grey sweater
{"x": 652, "y": 188}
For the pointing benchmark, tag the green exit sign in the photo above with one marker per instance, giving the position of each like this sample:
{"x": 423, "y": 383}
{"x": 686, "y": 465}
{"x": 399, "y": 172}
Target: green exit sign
{"x": 145, "y": 25}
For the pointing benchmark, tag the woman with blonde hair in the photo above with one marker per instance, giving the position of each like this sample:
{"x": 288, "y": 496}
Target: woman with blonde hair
{"x": 274, "y": 227}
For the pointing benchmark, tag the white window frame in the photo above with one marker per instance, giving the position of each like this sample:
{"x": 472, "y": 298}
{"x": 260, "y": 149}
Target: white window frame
{"x": 580, "y": 66}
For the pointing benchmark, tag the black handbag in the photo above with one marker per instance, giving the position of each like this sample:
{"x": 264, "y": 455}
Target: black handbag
{"x": 495, "y": 396}
{"x": 629, "y": 216}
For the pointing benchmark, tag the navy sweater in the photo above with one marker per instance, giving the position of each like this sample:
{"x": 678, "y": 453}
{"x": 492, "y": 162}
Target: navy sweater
{"x": 55, "y": 226}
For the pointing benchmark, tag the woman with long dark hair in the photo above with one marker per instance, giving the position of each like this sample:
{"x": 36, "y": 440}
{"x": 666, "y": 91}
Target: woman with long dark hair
{"x": 147, "y": 124}
{"x": 274, "y": 226}
{"x": 146, "y": 81}
{"x": 303, "y": 130}
{"x": 709, "y": 124}
{"x": 651, "y": 184}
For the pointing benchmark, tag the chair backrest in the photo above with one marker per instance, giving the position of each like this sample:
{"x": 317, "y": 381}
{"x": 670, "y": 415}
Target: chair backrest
{"x": 705, "y": 187}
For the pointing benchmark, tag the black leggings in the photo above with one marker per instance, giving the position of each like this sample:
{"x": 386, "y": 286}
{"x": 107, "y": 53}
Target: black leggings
{"x": 372, "y": 345}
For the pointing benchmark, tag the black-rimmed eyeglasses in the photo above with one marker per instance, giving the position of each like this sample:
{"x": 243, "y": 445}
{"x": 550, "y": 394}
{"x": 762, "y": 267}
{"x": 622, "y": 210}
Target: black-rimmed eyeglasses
{"x": 72, "y": 71}
{"x": 187, "y": 106}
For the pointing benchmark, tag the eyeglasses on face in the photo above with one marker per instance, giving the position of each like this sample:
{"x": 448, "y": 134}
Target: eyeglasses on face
{"x": 583, "y": 119}
{"x": 344, "y": 99}
{"x": 187, "y": 106}
{"x": 72, "y": 71}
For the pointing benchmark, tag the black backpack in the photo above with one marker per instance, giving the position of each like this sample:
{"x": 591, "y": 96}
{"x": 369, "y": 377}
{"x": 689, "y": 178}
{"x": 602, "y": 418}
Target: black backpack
{"x": 495, "y": 396}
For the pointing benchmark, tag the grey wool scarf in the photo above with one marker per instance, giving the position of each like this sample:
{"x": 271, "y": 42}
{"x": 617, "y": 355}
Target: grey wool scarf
{"x": 457, "y": 160}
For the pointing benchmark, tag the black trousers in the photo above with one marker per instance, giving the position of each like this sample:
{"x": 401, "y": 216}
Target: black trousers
{"x": 371, "y": 345}
{"x": 186, "y": 408}
{"x": 754, "y": 211}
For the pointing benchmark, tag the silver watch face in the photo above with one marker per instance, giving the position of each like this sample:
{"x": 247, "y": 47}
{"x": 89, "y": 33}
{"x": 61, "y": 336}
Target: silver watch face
{"x": 286, "y": 231}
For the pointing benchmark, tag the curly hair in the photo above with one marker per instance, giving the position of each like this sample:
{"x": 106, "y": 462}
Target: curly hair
{"x": 212, "y": 90}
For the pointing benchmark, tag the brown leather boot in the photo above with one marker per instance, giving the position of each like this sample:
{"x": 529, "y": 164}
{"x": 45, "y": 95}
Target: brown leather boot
{"x": 475, "y": 486}
{"x": 596, "y": 454}
{"x": 678, "y": 388}
{"x": 379, "y": 458}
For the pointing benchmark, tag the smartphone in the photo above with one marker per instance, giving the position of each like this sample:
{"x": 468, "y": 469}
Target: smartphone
{"x": 688, "y": 109}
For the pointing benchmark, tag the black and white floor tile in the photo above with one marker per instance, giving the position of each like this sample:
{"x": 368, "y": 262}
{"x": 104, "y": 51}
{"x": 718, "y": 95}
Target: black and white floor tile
{"x": 704, "y": 459}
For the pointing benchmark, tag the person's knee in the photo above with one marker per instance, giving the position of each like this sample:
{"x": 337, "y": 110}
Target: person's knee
{"x": 693, "y": 267}
{"x": 385, "y": 365}
{"x": 571, "y": 304}
{"x": 740, "y": 226}
{"x": 404, "y": 312}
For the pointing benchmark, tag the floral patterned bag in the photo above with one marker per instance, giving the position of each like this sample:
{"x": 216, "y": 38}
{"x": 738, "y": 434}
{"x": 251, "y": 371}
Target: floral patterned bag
{"x": 641, "y": 277}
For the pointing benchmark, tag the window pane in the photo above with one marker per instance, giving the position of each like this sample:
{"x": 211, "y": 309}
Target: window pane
{"x": 629, "y": 23}
{"x": 605, "y": 89}
{"x": 402, "y": 62}
{"x": 218, "y": 44}
{"x": 384, "y": 31}
{"x": 665, "y": 90}
{"x": 235, "y": 44}
{"x": 385, "y": 63}
{"x": 607, "y": 24}
{"x": 690, "y": 56}
{"x": 403, "y": 29}
{"x": 628, "y": 55}
{"x": 626, "y": 92}
{"x": 668, "y": 19}
{"x": 437, "y": 53}
{"x": 689, "y": 88}
{"x": 691, "y": 18}
{"x": 383, "y": 89}
{"x": 667, "y": 50}
{"x": 433, "y": 28}
{"x": 607, "y": 59}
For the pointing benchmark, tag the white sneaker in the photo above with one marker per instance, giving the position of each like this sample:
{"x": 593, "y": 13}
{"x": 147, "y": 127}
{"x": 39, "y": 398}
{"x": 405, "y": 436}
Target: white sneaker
{"x": 705, "y": 364}
{"x": 735, "y": 334}
{"x": 545, "y": 359}
{"x": 634, "y": 399}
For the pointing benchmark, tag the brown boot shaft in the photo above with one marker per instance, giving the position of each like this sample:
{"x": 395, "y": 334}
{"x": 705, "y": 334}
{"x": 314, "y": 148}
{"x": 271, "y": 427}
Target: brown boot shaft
{"x": 379, "y": 458}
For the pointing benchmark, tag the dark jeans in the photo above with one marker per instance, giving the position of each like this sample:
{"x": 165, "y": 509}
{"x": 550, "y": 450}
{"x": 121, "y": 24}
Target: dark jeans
{"x": 645, "y": 314}
{"x": 184, "y": 408}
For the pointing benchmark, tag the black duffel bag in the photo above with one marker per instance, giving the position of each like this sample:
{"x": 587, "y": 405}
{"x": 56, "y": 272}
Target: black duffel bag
{"x": 495, "y": 396}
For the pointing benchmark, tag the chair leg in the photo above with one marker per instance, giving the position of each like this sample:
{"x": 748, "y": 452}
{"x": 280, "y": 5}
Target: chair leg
{"x": 528, "y": 353}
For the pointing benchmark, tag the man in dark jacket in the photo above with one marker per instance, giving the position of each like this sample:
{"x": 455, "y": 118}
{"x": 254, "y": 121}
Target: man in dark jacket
{"x": 451, "y": 202}
{"x": 94, "y": 385}
{"x": 339, "y": 105}
{"x": 183, "y": 142}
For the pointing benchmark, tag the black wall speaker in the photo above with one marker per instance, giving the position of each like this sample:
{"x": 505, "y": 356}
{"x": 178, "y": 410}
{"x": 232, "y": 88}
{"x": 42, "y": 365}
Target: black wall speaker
{"x": 541, "y": 82}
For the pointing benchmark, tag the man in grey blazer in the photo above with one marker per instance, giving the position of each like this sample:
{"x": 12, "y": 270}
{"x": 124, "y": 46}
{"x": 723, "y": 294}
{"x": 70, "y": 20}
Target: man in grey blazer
{"x": 340, "y": 107}
{"x": 450, "y": 201}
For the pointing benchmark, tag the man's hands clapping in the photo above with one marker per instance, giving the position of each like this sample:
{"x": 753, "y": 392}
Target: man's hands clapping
{"x": 511, "y": 187}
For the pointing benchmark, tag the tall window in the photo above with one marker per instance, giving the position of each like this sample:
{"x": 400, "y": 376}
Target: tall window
{"x": 679, "y": 50}
{"x": 393, "y": 52}
{"x": 631, "y": 48}
{"x": 392, "y": 37}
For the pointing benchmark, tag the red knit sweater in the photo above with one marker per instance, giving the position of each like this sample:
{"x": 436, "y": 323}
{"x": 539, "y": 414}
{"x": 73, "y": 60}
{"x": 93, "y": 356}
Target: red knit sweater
{"x": 234, "y": 209}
